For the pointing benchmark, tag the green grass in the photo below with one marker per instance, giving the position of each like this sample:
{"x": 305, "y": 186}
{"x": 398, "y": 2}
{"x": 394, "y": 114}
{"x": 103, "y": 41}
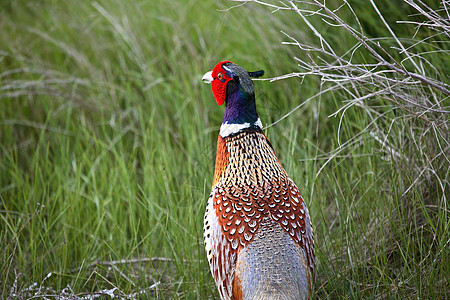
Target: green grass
{"x": 107, "y": 139}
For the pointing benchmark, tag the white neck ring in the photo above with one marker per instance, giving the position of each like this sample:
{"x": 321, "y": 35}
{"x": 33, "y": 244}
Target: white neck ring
{"x": 229, "y": 129}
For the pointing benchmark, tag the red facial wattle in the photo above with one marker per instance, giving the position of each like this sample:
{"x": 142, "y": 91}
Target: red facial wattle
{"x": 219, "y": 85}
{"x": 219, "y": 90}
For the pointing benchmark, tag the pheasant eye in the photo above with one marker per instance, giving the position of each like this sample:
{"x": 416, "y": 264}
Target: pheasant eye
{"x": 219, "y": 76}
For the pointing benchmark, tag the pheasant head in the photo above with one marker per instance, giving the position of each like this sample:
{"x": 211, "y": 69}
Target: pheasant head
{"x": 232, "y": 85}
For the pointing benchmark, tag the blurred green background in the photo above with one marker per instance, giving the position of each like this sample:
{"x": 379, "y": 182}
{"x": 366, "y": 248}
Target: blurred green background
{"x": 107, "y": 140}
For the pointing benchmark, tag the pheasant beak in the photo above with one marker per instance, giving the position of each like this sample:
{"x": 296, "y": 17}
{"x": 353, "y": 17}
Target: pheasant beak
{"x": 207, "y": 78}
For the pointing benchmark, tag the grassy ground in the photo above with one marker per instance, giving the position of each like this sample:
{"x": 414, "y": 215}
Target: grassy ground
{"x": 107, "y": 140}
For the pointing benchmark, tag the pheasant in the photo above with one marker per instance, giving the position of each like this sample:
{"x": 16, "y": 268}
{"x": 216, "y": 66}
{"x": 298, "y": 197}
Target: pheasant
{"x": 257, "y": 229}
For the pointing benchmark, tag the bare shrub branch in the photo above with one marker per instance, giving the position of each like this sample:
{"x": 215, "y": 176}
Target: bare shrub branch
{"x": 401, "y": 85}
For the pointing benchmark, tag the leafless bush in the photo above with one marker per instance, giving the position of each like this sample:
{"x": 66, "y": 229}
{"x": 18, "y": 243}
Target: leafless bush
{"x": 400, "y": 78}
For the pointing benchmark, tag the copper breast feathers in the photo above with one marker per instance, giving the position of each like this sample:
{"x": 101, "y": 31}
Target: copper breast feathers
{"x": 250, "y": 185}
